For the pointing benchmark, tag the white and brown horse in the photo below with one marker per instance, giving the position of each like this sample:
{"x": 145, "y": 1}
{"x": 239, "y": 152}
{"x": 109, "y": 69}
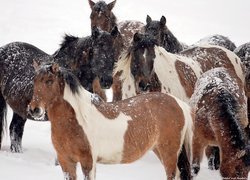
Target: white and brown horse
{"x": 149, "y": 67}
{"x": 88, "y": 130}
{"x": 221, "y": 118}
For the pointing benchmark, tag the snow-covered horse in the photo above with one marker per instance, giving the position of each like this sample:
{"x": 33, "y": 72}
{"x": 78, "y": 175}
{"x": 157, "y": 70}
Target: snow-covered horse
{"x": 88, "y": 130}
{"x": 103, "y": 17}
{"x": 16, "y": 86}
{"x": 220, "y": 119}
{"x": 149, "y": 67}
{"x": 90, "y": 58}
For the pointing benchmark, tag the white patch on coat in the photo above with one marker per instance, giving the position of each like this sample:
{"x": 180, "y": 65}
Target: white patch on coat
{"x": 106, "y": 137}
{"x": 164, "y": 67}
{"x": 187, "y": 131}
{"x": 126, "y": 77}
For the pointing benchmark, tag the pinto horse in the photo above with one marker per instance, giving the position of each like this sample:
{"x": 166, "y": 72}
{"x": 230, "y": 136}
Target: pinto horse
{"x": 221, "y": 118}
{"x": 218, "y": 40}
{"x": 16, "y": 83}
{"x": 148, "y": 67}
{"x": 103, "y": 17}
{"x": 90, "y": 58}
{"x": 163, "y": 35}
{"x": 88, "y": 130}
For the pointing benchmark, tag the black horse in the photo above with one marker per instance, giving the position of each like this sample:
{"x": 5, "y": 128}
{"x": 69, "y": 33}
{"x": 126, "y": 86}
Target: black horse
{"x": 163, "y": 35}
{"x": 16, "y": 83}
{"x": 90, "y": 57}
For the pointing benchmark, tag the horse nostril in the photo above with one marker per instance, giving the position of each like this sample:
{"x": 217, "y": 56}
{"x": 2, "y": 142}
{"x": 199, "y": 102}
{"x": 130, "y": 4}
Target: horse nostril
{"x": 144, "y": 86}
{"x": 36, "y": 111}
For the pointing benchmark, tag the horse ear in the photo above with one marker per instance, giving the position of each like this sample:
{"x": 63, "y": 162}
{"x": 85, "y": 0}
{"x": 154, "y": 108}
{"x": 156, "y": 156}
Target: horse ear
{"x": 163, "y": 21}
{"x": 55, "y": 68}
{"x": 148, "y": 19}
{"x": 137, "y": 37}
{"x": 35, "y": 65}
{"x": 91, "y": 4}
{"x": 114, "y": 31}
{"x": 95, "y": 32}
{"x": 111, "y": 5}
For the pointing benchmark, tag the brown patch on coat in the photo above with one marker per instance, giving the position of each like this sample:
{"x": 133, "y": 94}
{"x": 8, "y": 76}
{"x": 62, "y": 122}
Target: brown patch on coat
{"x": 117, "y": 87}
{"x": 209, "y": 58}
{"x": 98, "y": 90}
{"x": 154, "y": 116}
{"x": 187, "y": 77}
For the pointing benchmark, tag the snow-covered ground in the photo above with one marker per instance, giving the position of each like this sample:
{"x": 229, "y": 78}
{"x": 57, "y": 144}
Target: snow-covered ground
{"x": 43, "y": 23}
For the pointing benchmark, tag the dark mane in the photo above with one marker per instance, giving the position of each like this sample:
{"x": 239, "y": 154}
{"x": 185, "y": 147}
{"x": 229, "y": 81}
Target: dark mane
{"x": 68, "y": 39}
{"x": 228, "y": 112}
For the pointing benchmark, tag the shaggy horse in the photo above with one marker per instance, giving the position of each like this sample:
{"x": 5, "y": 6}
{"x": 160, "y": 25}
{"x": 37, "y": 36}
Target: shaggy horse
{"x": 103, "y": 17}
{"x": 16, "y": 83}
{"x": 243, "y": 51}
{"x": 218, "y": 40}
{"x": 88, "y": 130}
{"x": 90, "y": 58}
{"x": 221, "y": 118}
{"x": 163, "y": 35}
{"x": 148, "y": 67}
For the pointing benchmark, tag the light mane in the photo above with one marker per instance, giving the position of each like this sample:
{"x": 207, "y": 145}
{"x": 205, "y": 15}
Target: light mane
{"x": 127, "y": 79}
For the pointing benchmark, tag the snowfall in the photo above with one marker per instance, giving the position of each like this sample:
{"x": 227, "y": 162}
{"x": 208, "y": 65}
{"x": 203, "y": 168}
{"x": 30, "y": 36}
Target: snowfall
{"x": 44, "y": 22}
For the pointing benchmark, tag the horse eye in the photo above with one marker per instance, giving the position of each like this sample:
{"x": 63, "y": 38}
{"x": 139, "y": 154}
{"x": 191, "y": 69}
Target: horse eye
{"x": 49, "y": 82}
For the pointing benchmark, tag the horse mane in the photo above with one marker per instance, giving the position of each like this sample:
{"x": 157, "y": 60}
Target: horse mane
{"x": 69, "y": 78}
{"x": 173, "y": 44}
{"x": 123, "y": 65}
{"x": 68, "y": 39}
{"x": 229, "y": 108}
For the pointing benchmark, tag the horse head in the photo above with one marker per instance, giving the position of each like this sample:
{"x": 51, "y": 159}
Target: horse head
{"x": 102, "y": 55}
{"x": 162, "y": 34}
{"x": 142, "y": 60}
{"x": 101, "y": 15}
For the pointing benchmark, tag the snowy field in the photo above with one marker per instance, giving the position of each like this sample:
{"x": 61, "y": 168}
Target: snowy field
{"x": 43, "y": 23}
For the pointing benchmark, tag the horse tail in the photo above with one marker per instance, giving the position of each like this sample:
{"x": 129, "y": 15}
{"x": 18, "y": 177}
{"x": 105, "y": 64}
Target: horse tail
{"x": 185, "y": 155}
{"x": 3, "y": 117}
{"x": 230, "y": 116}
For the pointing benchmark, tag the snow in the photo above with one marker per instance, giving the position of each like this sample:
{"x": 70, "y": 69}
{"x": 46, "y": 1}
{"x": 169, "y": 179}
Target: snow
{"x": 44, "y": 22}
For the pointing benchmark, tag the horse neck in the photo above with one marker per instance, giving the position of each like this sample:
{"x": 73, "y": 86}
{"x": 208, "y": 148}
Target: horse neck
{"x": 171, "y": 43}
{"x": 125, "y": 77}
{"x": 80, "y": 102}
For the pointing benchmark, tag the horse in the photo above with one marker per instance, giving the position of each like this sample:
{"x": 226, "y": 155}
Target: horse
{"x": 243, "y": 51}
{"x": 16, "y": 83}
{"x": 220, "y": 119}
{"x": 148, "y": 67}
{"x": 86, "y": 129}
{"x": 218, "y": 40}
{"x": 90, "y": 58}
{"x": 163, "y": 35}
{"x": 103, "y": 17}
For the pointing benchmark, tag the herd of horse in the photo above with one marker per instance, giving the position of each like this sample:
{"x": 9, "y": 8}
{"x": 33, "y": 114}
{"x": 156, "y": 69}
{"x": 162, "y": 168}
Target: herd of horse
{"x": 168, "y": 97}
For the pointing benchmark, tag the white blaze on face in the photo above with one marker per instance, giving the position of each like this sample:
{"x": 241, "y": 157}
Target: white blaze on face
{"x": 106, "y": 136}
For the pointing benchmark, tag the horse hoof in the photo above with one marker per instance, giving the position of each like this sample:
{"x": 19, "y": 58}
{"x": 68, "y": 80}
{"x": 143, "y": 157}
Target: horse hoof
{"x": 16, "y": 148}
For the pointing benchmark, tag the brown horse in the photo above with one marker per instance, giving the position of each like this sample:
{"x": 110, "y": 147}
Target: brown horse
{"x": 221, "y": 118}
{"x": 148, "y": 67}
{"x": 103, "y": 17}
{"x": 88, "y": 130}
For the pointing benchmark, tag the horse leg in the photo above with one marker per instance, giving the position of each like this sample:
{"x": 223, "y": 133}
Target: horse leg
{"x": 198, "y": 149}
{"x": 3, "y": 113}
{"x": 168, "y": 159}
{"x": 88, "y": 168}
{"x": 213, "y": 155}
{"x": 68, "y": 167}
{"x": 16, "y": 133}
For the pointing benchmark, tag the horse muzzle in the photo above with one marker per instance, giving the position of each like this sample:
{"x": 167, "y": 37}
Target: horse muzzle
{"x": 106, "y": 82}
{"x": 143, "y": 86}
{"x": 37, "y": 113}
